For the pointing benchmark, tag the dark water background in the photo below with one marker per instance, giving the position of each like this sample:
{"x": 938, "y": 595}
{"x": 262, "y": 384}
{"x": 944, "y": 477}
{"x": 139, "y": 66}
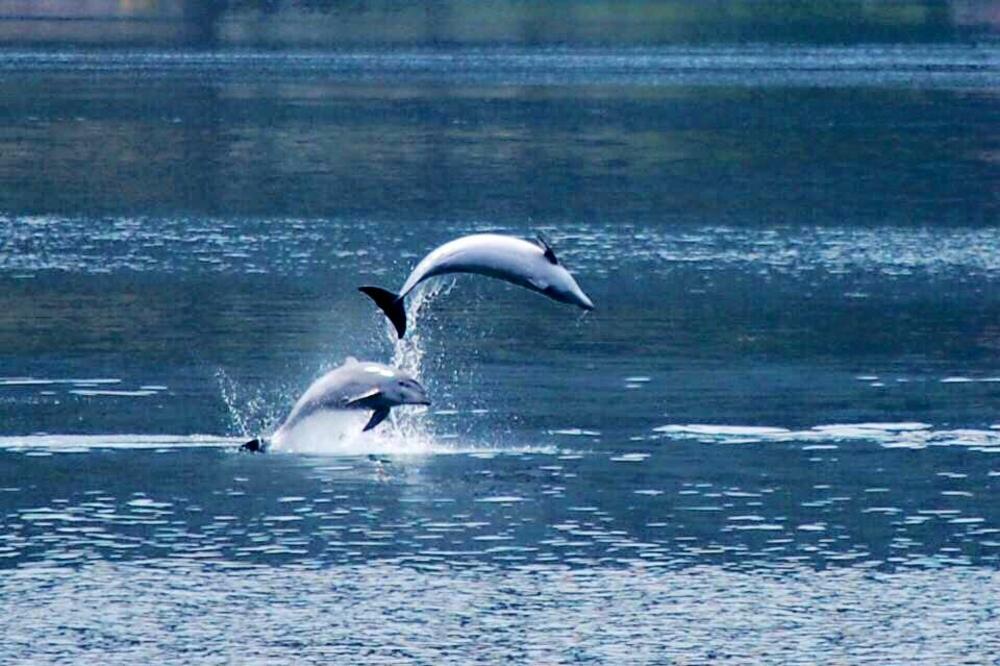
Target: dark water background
{"x": 776, "y": 440}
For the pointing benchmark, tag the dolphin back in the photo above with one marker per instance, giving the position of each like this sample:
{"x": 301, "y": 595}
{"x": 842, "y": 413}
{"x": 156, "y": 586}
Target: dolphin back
{"x": 498, "y": 256}
{"x": 334, "y": 390}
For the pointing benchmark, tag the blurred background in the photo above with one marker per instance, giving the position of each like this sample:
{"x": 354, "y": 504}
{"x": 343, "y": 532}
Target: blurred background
{"x": 340, "y": 23}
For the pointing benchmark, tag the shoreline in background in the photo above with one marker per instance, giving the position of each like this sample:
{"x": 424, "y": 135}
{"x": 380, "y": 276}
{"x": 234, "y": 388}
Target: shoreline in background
{"x": 327, "y": 23}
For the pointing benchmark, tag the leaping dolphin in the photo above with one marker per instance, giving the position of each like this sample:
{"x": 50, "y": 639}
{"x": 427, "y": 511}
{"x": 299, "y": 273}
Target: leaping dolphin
{"x": 530, "y": 265}
{"x": 353, "y": 385}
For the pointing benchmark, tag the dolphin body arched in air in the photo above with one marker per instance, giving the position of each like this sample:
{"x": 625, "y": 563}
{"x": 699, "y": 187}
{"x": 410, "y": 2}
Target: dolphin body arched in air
{"x": 353, "y": 385}
{"x": 524, "y": 263}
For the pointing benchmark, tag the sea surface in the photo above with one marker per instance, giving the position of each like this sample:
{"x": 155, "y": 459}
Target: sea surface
{"x": 775, "y": 440}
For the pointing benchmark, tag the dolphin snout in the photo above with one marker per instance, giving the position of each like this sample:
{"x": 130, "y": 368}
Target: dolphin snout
{"x": 418, "y": 395}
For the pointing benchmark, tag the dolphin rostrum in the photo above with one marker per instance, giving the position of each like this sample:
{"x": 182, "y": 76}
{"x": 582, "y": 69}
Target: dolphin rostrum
{"x": 353, "y": 385}
{"x": 530, "y": 265}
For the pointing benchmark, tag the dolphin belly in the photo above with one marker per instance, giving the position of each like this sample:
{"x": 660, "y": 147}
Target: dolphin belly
{"x": 323, "y": 431}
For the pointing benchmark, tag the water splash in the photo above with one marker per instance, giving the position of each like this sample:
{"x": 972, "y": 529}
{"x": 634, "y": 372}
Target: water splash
{"x": 254, "y": 412}
{"x": 251, "y": 412}
{"x": 409, "y": 352}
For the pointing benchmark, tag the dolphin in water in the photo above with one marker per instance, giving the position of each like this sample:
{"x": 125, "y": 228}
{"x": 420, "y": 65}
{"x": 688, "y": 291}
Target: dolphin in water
{"x": 524, "y": 263}
{"x": 353, "y": 385}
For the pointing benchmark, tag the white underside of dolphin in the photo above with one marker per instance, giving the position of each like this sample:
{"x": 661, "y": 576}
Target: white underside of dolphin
{"x": 527, "y": 264}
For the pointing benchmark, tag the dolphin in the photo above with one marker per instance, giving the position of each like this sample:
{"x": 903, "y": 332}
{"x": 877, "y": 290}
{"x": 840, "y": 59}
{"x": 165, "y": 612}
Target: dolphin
{"x": 524, "y": 263}
{"x": 354, "y": 385}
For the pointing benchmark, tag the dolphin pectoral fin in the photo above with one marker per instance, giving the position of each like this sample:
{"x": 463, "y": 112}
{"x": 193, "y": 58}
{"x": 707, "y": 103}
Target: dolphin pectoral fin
{"x": 539, "y": 284}
{"x": 364, "y": 400}
{"x": 378, "y": 416}
{"x": 391, "y": 304}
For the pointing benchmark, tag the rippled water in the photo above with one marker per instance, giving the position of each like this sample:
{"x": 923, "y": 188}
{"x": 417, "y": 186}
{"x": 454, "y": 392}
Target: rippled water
{"x": 754, "y": 65}
{"x": 775, "y": 440}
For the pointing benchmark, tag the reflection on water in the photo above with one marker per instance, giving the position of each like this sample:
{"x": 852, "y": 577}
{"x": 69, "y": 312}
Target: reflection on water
{"x": 768, "y": 503}
{"x": 479, "y": 615}
{"x": 776, "y": 550}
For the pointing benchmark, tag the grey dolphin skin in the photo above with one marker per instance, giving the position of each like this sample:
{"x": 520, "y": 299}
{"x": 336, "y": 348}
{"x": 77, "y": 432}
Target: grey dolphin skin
{"x": 354, "y": 385}
{"x": 524, "y": 263}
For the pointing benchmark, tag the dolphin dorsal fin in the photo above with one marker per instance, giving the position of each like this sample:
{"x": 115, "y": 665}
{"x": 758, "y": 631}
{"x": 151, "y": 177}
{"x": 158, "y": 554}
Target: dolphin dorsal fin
{"x": 544, "y": 244}
{"x": 350, "y": 360}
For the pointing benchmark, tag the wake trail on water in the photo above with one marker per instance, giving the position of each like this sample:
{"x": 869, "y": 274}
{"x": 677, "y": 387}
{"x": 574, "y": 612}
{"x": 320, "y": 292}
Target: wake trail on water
{"x": 353, "y": 443}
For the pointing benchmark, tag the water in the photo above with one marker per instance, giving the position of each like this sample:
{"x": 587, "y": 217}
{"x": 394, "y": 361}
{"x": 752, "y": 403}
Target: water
{"x": 776, "y": 439}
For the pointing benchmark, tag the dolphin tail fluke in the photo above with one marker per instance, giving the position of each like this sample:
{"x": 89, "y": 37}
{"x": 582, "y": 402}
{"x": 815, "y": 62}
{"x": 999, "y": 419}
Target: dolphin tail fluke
{"x": 253, "y": 446}
{"x": 390, "y": 304}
